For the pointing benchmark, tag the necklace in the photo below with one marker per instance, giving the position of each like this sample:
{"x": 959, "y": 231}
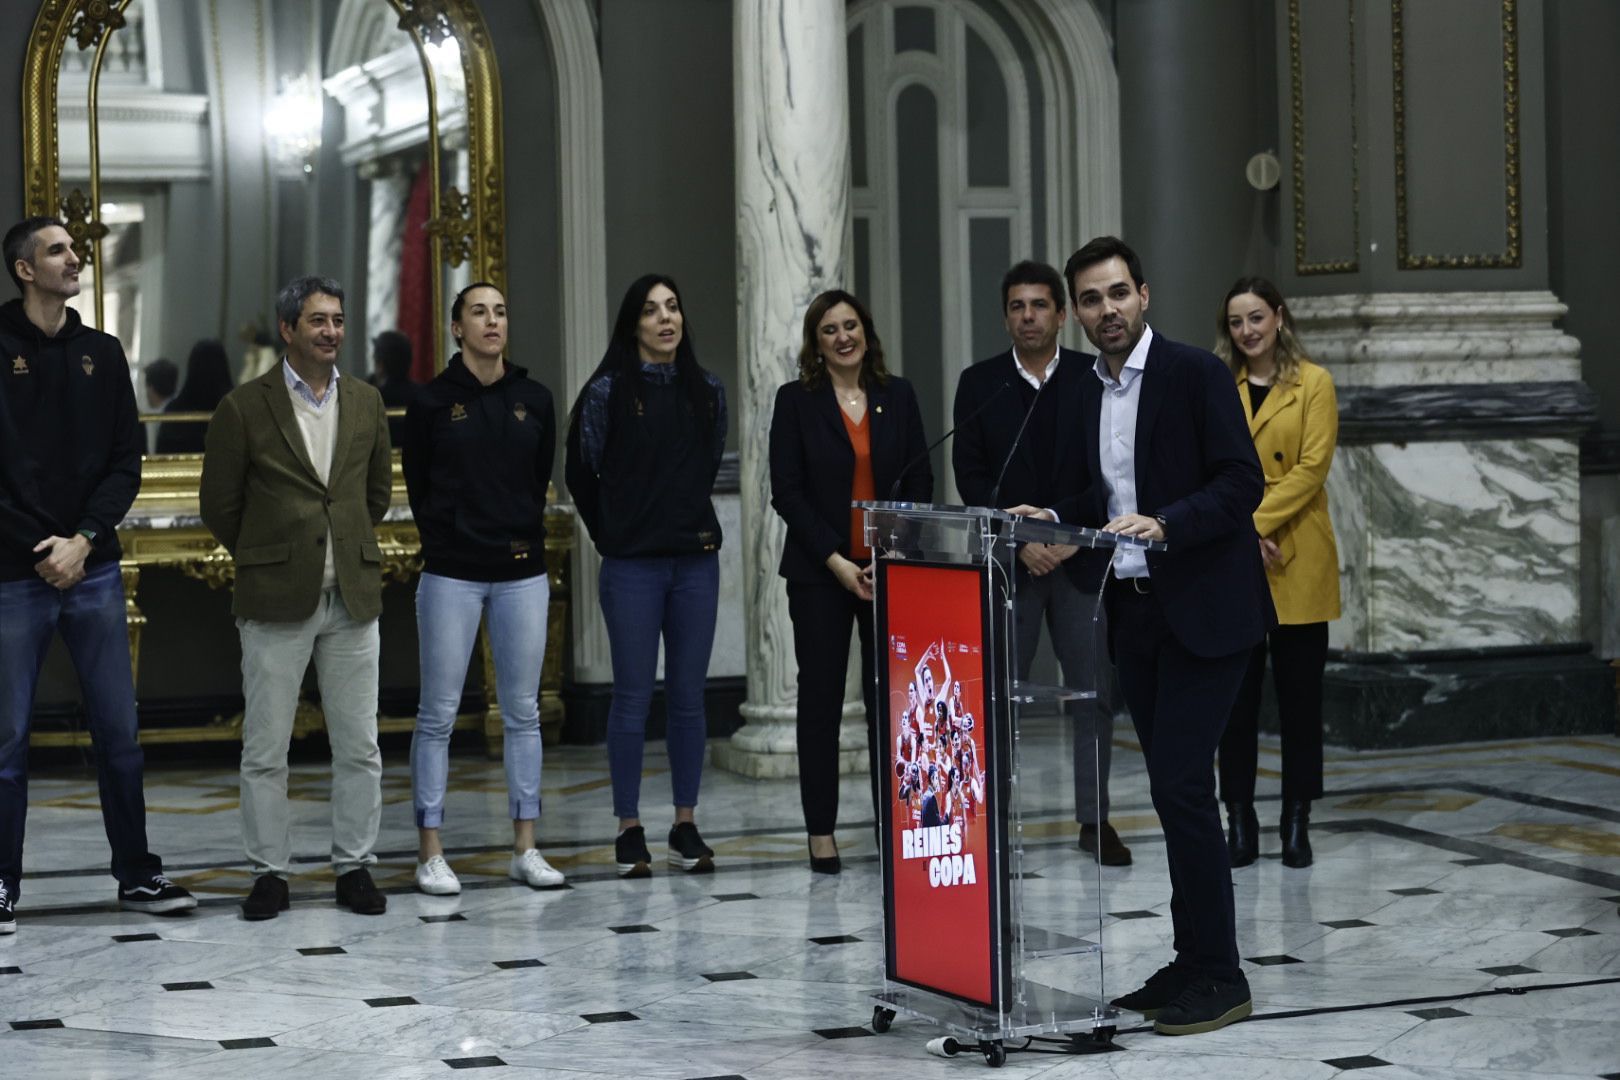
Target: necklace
{"x": 852, "y": 399}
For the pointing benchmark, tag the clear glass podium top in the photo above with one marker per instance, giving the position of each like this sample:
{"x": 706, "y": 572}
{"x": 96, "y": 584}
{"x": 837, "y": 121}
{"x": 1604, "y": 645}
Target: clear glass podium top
{"x": 935, "y": 529}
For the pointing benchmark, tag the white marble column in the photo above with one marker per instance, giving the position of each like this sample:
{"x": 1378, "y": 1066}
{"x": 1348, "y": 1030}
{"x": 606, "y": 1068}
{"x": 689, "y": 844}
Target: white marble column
{"x": 792, "y": 115}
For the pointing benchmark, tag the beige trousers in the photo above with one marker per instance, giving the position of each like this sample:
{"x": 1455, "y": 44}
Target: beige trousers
{"x": 275, "y": 656}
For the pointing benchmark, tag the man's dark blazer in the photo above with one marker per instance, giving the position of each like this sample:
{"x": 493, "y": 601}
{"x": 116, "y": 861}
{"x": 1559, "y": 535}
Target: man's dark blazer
{"x": 982, "y": 442}
{"x": 1196, "y": 467}
{"x": 813, "y": 467}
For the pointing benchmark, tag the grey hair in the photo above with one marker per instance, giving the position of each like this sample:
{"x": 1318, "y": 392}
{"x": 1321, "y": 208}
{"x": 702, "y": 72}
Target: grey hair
{"x": 290, "y": 300}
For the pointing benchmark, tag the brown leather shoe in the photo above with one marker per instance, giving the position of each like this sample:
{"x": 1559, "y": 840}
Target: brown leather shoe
{"x": 268, "y": 899}
{"x": 1114, "y": 853}
{"x": 357, "y": 892}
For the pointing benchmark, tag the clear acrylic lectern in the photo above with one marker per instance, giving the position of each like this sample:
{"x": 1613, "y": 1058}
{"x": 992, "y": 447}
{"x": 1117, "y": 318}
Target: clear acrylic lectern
{"x": 956, "y": 941}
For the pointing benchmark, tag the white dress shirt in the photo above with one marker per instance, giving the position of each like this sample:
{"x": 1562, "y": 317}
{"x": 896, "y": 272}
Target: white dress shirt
{"x": 1116, "y": 445}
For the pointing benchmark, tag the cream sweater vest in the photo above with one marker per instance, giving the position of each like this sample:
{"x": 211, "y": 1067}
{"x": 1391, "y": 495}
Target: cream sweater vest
{"x": 319, "y": 428}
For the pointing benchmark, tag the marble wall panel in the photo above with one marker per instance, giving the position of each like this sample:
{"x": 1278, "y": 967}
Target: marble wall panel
{"x": 1448, "y": 545}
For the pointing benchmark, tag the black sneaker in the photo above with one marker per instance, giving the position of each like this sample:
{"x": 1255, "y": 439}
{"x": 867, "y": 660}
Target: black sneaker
{"x": 687, "y": 851}
{"x": 1162, "y": 987}
{"x": 8, "y": 910}
{"x": 267, "y": 900}
{"x": 357, "y": 892}
{"x": 630, "y": 851}
{"x": 1205, "y": 1004}
{"x": 156, "y": 895}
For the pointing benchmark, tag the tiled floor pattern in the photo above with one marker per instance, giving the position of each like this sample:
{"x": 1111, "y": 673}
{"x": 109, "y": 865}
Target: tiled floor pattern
{"x": 1459, "y": 923}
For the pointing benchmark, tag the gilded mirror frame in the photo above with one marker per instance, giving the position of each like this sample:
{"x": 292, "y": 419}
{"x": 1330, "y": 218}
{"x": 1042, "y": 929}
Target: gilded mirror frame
{"x": 466, "y": 227}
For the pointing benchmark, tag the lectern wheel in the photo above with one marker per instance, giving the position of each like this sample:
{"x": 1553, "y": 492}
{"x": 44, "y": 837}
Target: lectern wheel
{"x": 995, "y": 1054}
{"x": 881, "y": 1019}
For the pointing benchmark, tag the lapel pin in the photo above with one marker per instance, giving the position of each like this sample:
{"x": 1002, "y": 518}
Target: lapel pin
{"x": 19, "y": 366}
{"x": 458, "y": 411}
{"x": 520, "y": 411}
{"x": 88, "y": 364}
{"x": 879, "y": 408}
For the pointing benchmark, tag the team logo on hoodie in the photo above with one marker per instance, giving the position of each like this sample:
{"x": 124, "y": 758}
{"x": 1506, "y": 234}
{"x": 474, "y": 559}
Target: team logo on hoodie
{"x": 88, "y": 364}
{"x": 458, "y": 411}
{"x": 19, "y": 366}
{"x": 521, "y": 411}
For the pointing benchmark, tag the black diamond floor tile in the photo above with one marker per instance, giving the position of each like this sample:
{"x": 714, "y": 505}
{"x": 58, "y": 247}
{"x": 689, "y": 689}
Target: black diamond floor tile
{"x": 1438, "y": 1014}
{"x": 726, "y": 897}
{"x": 246, "y": 1044}
{"x": 842, "y": 1033}
{"x": 1347, "y": 924}
{"x": 34, "y": 1025}
{"x": 188, "y": 986}
{"x": 1473, "y": 862}
{"x": 726, "y": 1076}
{"x": 323, "y": 950}
{"x": 10, "y": 971}
{"x": 729, "y": 976}
{"x": 509, "y": 964}
{"x": 490, "y": 1062}
{"x": 840, "y": 939}
{"x": 1415, "y": 892}
{"x": 635, "y": 928}
{"x": 1360, "y": 1061}
{"x": 1273, "y": 961}
{"x": 608, "y": 1017}
{"x": 1509, "y": 969}
{"x": 390, "y": 1002}
{"x": 1572, "y": 931}
{"x": 1135, "y": 914}
{"x": 124, "y": 938}
{"x": 456, "y": 917}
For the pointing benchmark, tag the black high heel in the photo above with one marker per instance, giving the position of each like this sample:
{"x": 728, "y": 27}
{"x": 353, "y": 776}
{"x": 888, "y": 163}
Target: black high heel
{"x": 1242, "y": 833}
{"x": 1296, "y": 839}
{"x": 829, "y": 864}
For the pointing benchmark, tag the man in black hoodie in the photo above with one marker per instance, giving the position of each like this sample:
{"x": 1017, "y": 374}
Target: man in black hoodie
{"x": 70, "y": 464}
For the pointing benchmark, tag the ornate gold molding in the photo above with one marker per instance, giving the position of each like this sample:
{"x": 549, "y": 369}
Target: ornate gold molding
{"x": 479, "y": 236}
{"x": 1296, "y": 72}
{"x": 1512, "y": 255}
{"x": 473, "y": 231}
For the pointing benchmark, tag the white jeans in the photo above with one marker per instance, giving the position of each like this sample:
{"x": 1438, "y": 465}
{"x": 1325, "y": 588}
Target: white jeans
{"x": 274, "y": 658}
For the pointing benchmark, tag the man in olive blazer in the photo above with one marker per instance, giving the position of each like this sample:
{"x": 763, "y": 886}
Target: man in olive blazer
{"x": 296, "y": 476}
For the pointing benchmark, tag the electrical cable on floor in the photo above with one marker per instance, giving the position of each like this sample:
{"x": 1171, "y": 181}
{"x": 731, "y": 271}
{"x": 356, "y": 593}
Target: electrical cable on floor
{"x": 1294, "y": 1014}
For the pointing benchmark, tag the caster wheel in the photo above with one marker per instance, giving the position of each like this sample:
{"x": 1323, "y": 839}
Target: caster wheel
{"x": 995, "y": 1054}
{"x": 882, "y": 1019}
{"x": 1104, "y": 1035}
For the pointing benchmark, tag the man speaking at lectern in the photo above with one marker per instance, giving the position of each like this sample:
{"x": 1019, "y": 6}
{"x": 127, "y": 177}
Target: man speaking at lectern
{"x": 1170, "y": 459}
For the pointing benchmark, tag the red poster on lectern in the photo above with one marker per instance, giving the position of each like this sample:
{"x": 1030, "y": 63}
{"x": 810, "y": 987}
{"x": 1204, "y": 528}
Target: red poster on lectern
{"x": 940, "y": 860}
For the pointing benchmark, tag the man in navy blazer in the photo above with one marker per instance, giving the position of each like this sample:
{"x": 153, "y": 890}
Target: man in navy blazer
{"x": 1170, "y": 458}
{"x": 1015, "y": 443}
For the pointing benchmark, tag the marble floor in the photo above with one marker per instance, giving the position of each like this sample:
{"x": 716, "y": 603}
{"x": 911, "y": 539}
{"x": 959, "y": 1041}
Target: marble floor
{"x": 1459, "y": 923}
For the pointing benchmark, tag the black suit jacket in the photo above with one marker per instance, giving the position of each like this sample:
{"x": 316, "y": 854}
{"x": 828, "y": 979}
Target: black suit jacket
{"x": 813, "y": 467}
{"x": 1196, "y": 467}
{"x": 982, "y": 442}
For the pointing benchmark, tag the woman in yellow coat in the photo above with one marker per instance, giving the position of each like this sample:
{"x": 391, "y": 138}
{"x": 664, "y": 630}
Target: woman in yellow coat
{"x": 1294, "y": 419}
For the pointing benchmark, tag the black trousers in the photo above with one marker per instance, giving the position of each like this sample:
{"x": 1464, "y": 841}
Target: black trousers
{"x": 1179, "y": 703}
{"x": 1298, "y": 657}
{"x": 821, "y": 616}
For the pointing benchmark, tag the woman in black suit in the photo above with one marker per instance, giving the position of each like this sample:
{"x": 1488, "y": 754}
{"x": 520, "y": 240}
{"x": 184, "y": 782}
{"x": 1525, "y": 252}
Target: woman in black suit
{"x": 843, "y": 430}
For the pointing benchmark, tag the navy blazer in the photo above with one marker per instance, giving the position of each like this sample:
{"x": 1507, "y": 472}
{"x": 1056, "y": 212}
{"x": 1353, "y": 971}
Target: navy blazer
{"x": 813, "y": 467}
{"x": 1196, "y": 467}
{"x": 983, "y": 442}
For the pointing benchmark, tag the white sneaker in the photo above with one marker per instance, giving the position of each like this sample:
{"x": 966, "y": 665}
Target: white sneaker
{"x": 532, "y": 869}
{"x": 435, "y": 877}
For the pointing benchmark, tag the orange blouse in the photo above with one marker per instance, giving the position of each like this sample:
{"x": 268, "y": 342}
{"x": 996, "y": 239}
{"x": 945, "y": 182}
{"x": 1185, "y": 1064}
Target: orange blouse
{"x": 864, "y": 488}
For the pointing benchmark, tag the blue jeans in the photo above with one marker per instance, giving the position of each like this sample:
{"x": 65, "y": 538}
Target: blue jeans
{"x": 447, "y": 614}
{"x": 643, "y": 599}
{"x": 90, "y": 617}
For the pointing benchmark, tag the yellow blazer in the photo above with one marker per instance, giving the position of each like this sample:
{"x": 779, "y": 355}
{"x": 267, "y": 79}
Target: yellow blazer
{"x": 1295, "y": 433}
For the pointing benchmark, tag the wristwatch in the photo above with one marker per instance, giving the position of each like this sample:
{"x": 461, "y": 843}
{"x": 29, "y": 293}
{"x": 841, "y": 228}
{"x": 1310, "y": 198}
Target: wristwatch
{"x": 88, "y": 534}
{"x": 1164, "y": 526}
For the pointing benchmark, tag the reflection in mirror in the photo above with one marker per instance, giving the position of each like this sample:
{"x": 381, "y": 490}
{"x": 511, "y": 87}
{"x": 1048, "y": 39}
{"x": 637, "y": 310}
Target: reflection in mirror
{"x": 231, "y": 147}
